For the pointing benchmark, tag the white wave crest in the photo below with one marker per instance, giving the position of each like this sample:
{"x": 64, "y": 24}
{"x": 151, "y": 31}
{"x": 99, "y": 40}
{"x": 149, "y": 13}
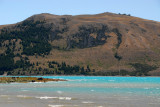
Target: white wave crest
{"x": 24, "y": 90}
{"x": 59, "y": 92}
{"x": 60, "y": 98}
{"x": 55, "y": 105}
{"x": 87, "y": 102}
{"x": 65, "y": 98}
{"x": 46, "y": 97}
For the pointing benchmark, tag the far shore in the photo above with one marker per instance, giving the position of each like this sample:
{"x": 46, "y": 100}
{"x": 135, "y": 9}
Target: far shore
{"x": 12, "y": 79}
{"x": 72, "y": 75}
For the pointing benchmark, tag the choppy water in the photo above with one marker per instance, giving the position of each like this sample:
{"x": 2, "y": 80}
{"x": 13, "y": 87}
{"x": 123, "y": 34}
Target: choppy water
{"x": 81, "y": 91}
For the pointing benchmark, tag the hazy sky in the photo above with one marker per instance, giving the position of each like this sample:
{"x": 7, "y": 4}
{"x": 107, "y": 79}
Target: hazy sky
{"x": 12, "y": 11}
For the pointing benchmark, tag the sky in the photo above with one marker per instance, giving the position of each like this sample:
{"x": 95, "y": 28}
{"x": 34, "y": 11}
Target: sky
{"x": 13, "y": 11}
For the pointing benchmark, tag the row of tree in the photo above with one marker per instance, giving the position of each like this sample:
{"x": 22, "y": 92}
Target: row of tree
{"x": 65, "y": 69}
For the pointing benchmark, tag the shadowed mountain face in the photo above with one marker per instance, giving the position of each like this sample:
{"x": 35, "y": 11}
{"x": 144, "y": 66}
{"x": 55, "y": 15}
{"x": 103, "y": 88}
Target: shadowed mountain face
{"x": 104, "y": 42}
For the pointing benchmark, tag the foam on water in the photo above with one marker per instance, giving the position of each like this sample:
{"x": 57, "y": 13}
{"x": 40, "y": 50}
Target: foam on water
{"x": 24, "y": 90}
{"x": 36, "y": 82}
{"x": 87, "y": 102}
{"x": 4, "y": 95}
{"x": 146, "y": 88}
{"x": 111, "y": 80}
{"x": 24, "y": 96}
{"x": 65, "y": 98}
{"x": 55, "y": 105}
{"x": 59, "y": 92}
{"x": 46, "y": 97}
{"x": 60, "y": 98}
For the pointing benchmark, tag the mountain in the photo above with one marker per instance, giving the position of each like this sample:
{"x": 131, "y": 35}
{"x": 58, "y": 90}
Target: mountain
{"x": 101, "y": 44}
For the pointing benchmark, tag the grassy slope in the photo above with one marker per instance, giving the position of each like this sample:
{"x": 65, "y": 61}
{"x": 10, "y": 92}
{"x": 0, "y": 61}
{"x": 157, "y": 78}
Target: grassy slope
{"x": 140, "y": 42}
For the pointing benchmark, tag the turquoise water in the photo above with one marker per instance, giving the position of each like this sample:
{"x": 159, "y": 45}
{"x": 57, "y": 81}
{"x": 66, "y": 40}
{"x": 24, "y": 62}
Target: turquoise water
{"x": 83, "y": 91}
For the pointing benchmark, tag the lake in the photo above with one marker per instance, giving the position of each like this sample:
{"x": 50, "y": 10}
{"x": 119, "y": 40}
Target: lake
{"x": 83, "y": 91}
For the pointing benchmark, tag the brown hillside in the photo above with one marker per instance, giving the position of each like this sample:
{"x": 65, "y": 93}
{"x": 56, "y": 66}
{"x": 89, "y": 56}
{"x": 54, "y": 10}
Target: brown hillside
{"x": 95, "y": 39}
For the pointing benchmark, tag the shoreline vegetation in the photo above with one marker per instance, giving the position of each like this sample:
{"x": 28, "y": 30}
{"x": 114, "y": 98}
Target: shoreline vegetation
{"x": 27, "y": 79}
{"x": 59, "y": 69}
